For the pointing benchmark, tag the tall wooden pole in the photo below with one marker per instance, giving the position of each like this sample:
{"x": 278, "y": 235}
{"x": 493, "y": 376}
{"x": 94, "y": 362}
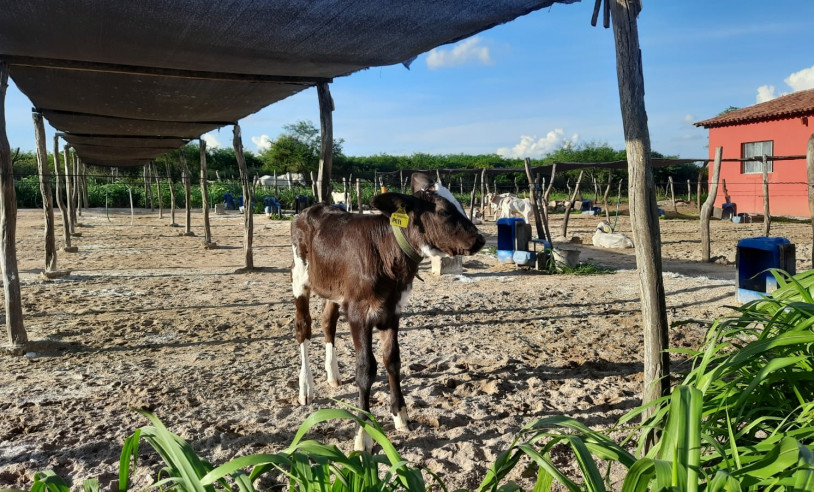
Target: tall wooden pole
{"x": 538, "y": 219}
{"x": 570, "y": 206}
{"x": 709, "y": 203}
{"x": 205, "y": 196}
{"x": 326, "y": 153}
{"x": 66, "y": 221}
{"x": 187, "y": 192}
{"x": 810, "y": 176}
{"x": 172, "y": 190}
{"x": 17, "y": 335}
{"x": 359, "y": 195}
{"x": 45, "y": 191}
{"x": 68, "y": 202}
{"x": 248, "y": 216}
{"x": 767, "y": 216}
{"x": 643, "y": 207}
{"x": 154, "y": 166}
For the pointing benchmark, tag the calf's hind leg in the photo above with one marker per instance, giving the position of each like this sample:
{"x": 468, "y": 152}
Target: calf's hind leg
{"x": 330, "y": 314}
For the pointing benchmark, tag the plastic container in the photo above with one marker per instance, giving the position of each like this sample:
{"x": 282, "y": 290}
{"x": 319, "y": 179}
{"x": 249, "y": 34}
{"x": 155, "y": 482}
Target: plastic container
{"x": 754, "y": 256}
{"x": 512, "y": 235}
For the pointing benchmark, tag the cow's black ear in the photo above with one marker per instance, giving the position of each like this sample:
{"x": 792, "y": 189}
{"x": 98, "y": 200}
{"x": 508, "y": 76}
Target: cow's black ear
{"x": 388, "y": 203}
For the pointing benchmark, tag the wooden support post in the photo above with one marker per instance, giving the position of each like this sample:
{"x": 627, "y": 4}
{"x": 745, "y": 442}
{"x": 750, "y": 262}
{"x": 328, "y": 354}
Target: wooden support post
{"x": 375, "y": 183}
{"x": 187, "y": 192}
{"x": 767, "y": 216}
{"x": 643, "y": 208}
{"x": 359, "y": 195}
{"x": 542, "y": 233}
{"x": 472, "y": 199}
{"x": 709, "y": 203}
{"x": 248, "y": 216}
{"x": 727, "y": 199}
{"x": 154, "y": 166}
{"x": 698, "y": 187}
{"x": 483, "y": 193}
{"x": 401, "y": 179}
{"x": 77, "y": 185}
{"x": 205, "y": 198}
{"x": 66, "y": 221}
{"x": 66, "y": 154}
{"x": 17, "y": 336}
{"x": 810, "y": 179}
{"x": 605, "y": 196}
{"x": 172, "y": 190}
{"x": 276, "y": 188}
{"x": 85, "y": 199}
{"x": 673, "y": 194}
{"x": 689, "y": 192}
{"x": 45, "y": 191}
{"x": 326, "y": 152}
{"x": 570, "y": 206}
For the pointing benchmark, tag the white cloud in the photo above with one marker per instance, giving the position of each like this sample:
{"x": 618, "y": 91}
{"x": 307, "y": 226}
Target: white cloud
{"x": 533, "y": 147}
{"x": 467, "y": 51}
{"x": 262, "y": 142}
{"x": 688, "y": 118}
{"x": 765, "y": 93}
{"x": 211, "y": 141}
{"x": 802, "y": 80}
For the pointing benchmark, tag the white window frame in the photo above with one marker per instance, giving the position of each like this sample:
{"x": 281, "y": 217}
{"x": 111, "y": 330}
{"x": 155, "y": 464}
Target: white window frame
{"x": 756, "y": 149}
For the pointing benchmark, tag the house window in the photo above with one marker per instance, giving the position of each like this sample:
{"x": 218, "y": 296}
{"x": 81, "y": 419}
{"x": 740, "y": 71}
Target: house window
{"x": 756, "y": 149}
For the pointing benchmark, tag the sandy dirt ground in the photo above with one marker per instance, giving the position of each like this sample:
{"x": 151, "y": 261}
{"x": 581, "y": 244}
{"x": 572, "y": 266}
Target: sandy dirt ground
{"x": 149, "y": 318}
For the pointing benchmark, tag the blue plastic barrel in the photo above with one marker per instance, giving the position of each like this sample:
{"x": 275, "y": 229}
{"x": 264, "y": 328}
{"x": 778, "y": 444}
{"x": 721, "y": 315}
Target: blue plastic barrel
{"x": 754, "y": 256}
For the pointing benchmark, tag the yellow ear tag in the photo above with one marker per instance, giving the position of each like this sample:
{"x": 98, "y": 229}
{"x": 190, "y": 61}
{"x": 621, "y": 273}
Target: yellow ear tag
{"x": 399, "y": 218}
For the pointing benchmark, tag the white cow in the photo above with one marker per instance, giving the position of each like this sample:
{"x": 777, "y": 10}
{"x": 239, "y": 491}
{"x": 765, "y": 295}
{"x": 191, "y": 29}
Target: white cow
{"x": 605, "y": 238}
{"x": 511, "y": 205}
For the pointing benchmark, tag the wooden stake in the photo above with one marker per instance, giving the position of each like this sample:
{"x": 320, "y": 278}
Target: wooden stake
{"x": 673, "y": 194}
{"x": 172, "y": 190}
{"x": 68, "y": 202}
{"x": 643, "y": 208}
{"x": 15, "y": 329}
{"x": 154, "y": 167}
{"x": 472, "y": 199}
{"x": 605, "y": 196}
{"x": 326, "y": 107}
{"x": 698, "y": 188}
{"x": 187, "y": 192}
{"x": 689, "y": 192}
{"x": 248, "y": 216}
{"x": 66, "y": 226}
{"x": 205, "y": 196}
{"x": 726, "y": 193}
{"x": 706, "y": 209}
{"x": 359, "y": 195}
{"x": 542, "y": 233}
{"x": 767, "y": 217}
{"x": 45, "y": 191}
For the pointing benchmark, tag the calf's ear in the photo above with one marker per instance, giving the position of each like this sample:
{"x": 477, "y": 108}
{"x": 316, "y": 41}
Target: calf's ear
{"x": 388, "y": 203}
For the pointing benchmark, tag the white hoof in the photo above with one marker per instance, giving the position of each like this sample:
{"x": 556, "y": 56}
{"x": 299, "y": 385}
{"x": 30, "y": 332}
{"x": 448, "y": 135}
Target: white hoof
{"x": 401, "y": 421}
{"x": 363, "y": 441}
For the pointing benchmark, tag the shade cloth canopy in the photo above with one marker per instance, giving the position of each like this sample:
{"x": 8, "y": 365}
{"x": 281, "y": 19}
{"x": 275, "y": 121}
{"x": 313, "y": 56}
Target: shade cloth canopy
{"x": 113, "y": 76}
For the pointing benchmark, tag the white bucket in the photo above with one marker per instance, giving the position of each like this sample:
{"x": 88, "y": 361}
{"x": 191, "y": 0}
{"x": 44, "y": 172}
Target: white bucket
{"x": 565, "y": 257}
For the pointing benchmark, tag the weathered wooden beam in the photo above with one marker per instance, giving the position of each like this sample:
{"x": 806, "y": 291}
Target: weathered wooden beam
{"x": 172, "y": 190}
{"x": 538, "y": 219}
{"x": 66, "y": 154}
{"x": 45, "y": 192}
{"x": 205, "y": 197}
{"x": 187, "y": 193}
{"x": 709, "y": 203}
{"x": 248, "y": 216}
{"x": 85, "y": 66}
{"x": 63, "y": 209}
{"x": 767, "y": 216}
{"x": 643, "y": 207}
{"x": 326, "y": 153}
{"x": 15, "y": 329}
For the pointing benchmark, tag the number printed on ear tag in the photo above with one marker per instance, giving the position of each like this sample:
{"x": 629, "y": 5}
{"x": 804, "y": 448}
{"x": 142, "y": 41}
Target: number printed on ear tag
{"x": 399, "y": 218}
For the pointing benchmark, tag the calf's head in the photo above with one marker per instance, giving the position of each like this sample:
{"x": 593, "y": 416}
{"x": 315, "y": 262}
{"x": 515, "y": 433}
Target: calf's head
{"x": 437, "y": 224}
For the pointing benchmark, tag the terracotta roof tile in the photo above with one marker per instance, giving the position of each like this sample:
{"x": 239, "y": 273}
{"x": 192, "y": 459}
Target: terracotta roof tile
{"x": 793, "y": 105}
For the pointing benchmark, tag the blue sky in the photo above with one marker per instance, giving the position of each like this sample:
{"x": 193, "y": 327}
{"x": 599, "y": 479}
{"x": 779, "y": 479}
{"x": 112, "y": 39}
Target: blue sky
{"x": 526, "y": 87}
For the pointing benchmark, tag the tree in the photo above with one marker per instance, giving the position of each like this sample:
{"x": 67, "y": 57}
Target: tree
{"x": 297, "y": 150}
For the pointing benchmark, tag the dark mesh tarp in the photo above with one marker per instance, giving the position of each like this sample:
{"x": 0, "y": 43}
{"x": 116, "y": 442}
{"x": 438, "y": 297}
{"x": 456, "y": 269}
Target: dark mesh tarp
{"x": 59, "y": 52}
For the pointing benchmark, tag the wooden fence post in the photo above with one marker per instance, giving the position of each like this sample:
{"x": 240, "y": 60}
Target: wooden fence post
{"x": 542, "y": 232}
{"x": 643, "y": 208}
{"x": 45, "y": 191}
{"x": 359, "y": 195}
{"x": 187, "y": 192}
{"x": 767, "y": 216}
{"x": 248, "y": 215}
{"x": 706, "y": 209}
{"x": 66, "y": 221}
{"x": 15, "y": 329}
{"x": 570, "y": 206}
{"x": 205, "y": 197}
{"x": 326, "y": 153}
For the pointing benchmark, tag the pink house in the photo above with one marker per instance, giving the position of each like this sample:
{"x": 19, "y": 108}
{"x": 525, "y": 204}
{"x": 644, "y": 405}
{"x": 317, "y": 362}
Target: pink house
{"x": 780, "y": 127}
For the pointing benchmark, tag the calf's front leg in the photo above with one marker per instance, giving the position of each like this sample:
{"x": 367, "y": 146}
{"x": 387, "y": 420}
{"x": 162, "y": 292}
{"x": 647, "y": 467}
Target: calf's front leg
{"x": 392, "y": 362}
{"x": 330, "y": 315}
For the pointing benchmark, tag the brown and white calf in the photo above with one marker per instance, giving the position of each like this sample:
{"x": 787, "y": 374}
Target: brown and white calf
{"x": 355, "y": 262}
